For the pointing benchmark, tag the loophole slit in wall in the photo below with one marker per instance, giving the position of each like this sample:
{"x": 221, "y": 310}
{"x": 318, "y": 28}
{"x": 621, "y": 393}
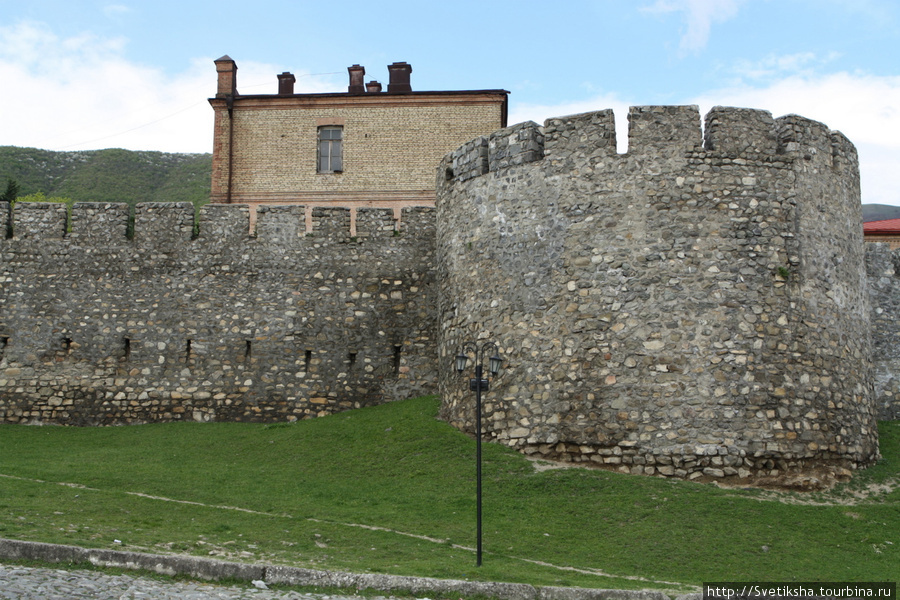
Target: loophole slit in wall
{"x": 397, "y": 354}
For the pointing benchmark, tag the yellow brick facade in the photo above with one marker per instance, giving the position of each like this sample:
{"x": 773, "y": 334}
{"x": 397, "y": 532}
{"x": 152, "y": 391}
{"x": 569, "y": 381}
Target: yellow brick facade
{"x": 893, "y": 240}
{"x": 266, "y": 147}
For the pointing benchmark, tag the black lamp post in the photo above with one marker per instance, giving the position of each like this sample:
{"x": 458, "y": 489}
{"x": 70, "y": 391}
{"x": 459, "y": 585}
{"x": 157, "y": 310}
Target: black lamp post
{"x": 479, "y": 384}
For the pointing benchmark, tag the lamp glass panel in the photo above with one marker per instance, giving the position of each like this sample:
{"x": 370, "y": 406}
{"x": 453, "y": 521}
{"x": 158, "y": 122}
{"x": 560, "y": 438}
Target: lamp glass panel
{"x": 496, "y": 363}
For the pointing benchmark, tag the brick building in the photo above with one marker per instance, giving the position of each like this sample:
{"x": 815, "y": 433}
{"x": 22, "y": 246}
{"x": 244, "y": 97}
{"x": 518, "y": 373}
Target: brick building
{"x": 886, "y": 231}
{"x": 362, "y": 147}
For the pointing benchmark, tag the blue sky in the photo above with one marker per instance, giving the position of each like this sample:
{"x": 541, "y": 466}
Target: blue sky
{"x": 81, "y": 75}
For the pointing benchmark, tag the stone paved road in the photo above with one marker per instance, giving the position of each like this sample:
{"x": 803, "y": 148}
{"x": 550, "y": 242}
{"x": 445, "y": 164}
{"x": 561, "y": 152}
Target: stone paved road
{"x": 28, "y": 583}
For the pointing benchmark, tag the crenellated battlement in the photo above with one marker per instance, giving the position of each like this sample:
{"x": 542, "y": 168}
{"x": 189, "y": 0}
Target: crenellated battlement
{"x": 167, "y": 225}
{"x": 37, "y": 221}
{"x": 656, "y": 133}
{"x": 96, "y": 223}
{"x": 663, "y": 131}
{"x": 594, "y": 132}
{"x": 737, "y": 132}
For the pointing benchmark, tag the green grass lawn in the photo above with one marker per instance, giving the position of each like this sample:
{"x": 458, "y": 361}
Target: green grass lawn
{"x": 391, "y": 489}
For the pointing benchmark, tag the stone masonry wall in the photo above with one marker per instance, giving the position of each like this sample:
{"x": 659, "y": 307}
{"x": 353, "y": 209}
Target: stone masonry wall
{"x": 696, "y": 307}
{"x": 883, "y": 266}
{"x": 97, "y": 328}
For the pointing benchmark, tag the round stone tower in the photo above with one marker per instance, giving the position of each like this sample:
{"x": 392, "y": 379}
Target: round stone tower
{"x": 694, "y": 308}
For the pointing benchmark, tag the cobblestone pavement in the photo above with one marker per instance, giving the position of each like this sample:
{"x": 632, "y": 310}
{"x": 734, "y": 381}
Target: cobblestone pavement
{"x": 29, "y": 583}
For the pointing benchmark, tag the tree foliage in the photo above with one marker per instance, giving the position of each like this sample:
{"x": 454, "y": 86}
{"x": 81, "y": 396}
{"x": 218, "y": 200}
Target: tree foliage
{"x": 112, "y": 175}
{"x": 12, "y": 191}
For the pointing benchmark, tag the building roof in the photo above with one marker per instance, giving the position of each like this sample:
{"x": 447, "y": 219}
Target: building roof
{"x": 372, "y": 95}
{"x": 885, "y": 227}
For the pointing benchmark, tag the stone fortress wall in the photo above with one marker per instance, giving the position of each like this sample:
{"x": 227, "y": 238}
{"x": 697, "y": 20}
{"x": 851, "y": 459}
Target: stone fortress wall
{"x": 696, "y": 307}
{"x": 97, "y": 327}
{"x": 883, "y": 270}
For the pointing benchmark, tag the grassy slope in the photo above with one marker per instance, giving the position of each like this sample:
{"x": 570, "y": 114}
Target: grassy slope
{"x": 397, "y": 467}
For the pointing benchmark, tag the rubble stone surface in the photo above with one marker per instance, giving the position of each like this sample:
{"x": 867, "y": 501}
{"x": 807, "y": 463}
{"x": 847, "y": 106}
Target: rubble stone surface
{"x": 693, "y": 308}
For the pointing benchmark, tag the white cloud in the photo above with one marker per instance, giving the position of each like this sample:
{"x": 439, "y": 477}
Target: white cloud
{"x": 865, "y": 107}
{"x": 700, "y": 16}
{"x": 81, "y": 93}
{"x": 116, "y": 10}
{"x": 773, "y": 65}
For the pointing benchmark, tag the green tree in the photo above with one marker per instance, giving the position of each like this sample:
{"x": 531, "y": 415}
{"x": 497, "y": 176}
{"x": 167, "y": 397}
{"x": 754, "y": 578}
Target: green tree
{"x": 12, "y": 191}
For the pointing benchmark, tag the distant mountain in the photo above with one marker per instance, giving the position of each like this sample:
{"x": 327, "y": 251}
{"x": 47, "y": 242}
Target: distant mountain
{"x": 880, "y": 212}
{"x": 112, "y": 175}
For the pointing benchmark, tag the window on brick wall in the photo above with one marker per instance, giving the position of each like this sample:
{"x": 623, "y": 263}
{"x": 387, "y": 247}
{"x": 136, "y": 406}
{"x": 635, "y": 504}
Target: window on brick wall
{"x": 330, "y": 159}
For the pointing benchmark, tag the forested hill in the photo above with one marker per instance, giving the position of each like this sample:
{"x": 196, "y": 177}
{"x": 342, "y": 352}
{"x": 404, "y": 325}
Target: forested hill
{"x": 112, "y": 175}
{"x": 880, "y": 212}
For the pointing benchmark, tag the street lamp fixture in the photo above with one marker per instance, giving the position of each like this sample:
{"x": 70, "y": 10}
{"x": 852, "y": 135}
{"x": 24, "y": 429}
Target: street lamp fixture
{"x": 479, "y": 384}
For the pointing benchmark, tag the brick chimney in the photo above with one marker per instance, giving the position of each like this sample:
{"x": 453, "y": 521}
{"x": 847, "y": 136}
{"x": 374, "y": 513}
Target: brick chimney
{"x": 373, "y": 87}
{"x": 399, "y": 73}
{"x": 227, "y": 70}
{"x": 286, "y": 84}
{"x": 357, "y": 74}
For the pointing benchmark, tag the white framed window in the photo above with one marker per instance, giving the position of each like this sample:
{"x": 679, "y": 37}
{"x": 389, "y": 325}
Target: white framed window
{"x": 330, "y": 146}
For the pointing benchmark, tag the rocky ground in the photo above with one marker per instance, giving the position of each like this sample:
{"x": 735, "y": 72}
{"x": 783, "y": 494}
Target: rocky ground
{"x": 29, "y": 583}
